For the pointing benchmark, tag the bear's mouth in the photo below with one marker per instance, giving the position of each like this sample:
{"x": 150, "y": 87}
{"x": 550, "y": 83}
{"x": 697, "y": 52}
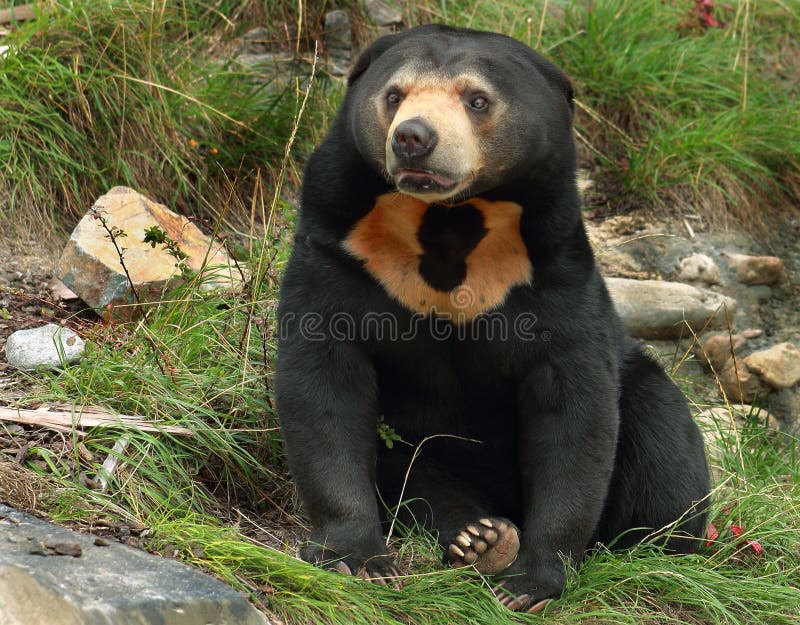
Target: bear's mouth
{"x": 421, "y": 181}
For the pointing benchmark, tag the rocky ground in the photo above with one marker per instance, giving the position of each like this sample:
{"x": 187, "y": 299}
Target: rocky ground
{"x": 644, "y": 245}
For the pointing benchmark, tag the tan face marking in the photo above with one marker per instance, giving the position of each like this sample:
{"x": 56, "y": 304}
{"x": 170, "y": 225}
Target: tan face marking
{"x": 438, "y": 101}
{"x": 386, "y": 240}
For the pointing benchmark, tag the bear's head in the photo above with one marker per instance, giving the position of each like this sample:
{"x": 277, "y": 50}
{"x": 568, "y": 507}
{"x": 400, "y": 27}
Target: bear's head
{"x": 446, "y": 113}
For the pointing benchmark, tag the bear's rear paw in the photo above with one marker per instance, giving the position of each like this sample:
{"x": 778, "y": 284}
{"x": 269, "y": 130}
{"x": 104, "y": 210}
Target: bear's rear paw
{"x": 380, "y": 569}
{"x": 491, "y": 545}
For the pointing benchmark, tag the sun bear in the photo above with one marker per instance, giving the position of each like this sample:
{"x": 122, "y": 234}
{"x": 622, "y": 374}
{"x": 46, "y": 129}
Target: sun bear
{"x": 442, "y": 284}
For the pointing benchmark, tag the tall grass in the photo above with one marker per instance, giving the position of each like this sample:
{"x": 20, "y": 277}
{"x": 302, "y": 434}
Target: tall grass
{"x": 95, "y": 94}
{"x": 677, "y": 109}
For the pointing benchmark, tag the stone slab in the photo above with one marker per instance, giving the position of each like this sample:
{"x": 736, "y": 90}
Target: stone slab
{"x": 104, "y": 585}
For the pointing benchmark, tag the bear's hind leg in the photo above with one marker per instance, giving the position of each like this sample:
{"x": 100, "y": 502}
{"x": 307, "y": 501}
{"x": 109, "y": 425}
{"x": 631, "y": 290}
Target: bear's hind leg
{"x": 661, "y": 473}
{"x": 463, "y": 509}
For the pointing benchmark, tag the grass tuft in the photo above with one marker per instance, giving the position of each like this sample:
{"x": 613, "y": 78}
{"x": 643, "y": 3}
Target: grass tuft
{"x": 96, "y": 94}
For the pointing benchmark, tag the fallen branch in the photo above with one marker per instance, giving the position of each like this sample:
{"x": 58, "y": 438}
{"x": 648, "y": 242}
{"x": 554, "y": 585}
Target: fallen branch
{"x": 86, "y": 418}
{"x": 17, "y": 14}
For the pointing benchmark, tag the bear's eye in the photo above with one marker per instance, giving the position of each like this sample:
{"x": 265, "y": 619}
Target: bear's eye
{"x": 479, "y": 103}
{"x": 393, "y": 98}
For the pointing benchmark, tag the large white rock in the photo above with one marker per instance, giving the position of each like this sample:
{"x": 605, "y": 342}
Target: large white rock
{"x": 91, "y": 584}
{"x": 90, "y": 265}
{"x": 46, "y": 346}
{"x": 655, "y": 309}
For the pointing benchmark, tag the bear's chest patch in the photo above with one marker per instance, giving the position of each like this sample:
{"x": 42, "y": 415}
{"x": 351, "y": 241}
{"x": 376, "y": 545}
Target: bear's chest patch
{"x": 459, "y": 260}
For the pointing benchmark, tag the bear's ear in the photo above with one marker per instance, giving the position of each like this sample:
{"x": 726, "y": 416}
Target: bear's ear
{"x": 369, "y": 55}
{"x": 555, "y": 76}
{"x": 569, "y": 93}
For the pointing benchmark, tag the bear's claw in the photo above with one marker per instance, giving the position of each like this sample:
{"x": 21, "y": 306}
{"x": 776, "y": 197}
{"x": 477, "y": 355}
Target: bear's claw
{"x": 515, "y": 603}
{"x": 491, "y": 545}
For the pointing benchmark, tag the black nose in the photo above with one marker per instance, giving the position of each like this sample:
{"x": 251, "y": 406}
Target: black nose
{"x": 413, "y": 138}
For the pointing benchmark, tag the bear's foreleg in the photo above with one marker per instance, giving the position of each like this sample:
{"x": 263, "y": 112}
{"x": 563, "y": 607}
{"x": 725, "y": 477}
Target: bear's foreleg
{"x": 327, "y": 398}
{"x": 569, "y": 421}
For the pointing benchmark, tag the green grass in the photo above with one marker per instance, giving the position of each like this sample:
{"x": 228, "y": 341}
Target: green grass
{"x": 93, "y": 98}
{"x": 95, "y": 94}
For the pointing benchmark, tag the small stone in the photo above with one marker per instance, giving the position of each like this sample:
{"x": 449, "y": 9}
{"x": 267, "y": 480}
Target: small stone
{"x": 382, "y": 13}
{"x": 755, "y": 269}
{"x": 66, "y": 549}
{"x": 256, "y": 41}
{"x": 338, "y": 41}
{"x": 46, "y": 346}
{"x": 60, "y": 290}
{"x": 699, "y": 268}
{"x": 778, "y": 366}
{"x": 739, "y": 383}
{"x": 338, "y": 36}
{"x": 718, "y": 350}
{"x": 655, "y": 309}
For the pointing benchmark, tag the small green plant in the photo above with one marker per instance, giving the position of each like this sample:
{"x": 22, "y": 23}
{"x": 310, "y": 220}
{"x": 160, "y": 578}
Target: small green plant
{"x": 156, "y": 236}
{"x": 387, "y": 433}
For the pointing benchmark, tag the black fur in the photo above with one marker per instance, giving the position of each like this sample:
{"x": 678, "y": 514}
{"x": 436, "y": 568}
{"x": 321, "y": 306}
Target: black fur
{"x": 447, "y": 237}
{"x": 580, "y": 436}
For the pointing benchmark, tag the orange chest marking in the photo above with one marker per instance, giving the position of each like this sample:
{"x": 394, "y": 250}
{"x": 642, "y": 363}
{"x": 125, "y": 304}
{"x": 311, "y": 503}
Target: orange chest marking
{"x": 460, "y": 260}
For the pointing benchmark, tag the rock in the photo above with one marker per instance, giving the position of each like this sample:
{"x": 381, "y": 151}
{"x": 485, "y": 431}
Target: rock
{"x": 717, "y": 350}
{"x": 90, "y": 265}
{"x": 43, "y": 347}
{"x": 382, "y": 14}
{"x": 778, "y": 366}
{"x": 755, "y": 269}
{"x": 103, "y": 584}
{"x": 338, "y": 40}
{"x": 699, "y": 268}
{"x": 256, "y": 41}
{"x": 654, "y": 309}
{"x": 60, "y": 291}
{"x": 739, "y": 383}
{"x": 734, "y": 377}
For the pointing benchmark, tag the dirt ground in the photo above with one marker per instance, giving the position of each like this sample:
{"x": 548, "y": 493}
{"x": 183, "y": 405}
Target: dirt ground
{"x": 26, "y": 299}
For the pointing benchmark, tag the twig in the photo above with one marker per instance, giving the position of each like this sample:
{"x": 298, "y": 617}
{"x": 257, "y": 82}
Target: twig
{"x": 86, "y": 418}
{"x": 417, "y": 450}
{"x": 113, "y": 233}
{"x": 110, "y": 463}
{"x": 17, "y": 14}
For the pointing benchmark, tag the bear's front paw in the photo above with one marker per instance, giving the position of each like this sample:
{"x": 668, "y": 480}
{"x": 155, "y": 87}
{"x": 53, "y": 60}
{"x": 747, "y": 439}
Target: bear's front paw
{"x": 489, "y": 544}
{"x": 379, "y": 568}
{"x": 529, "y": 590}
